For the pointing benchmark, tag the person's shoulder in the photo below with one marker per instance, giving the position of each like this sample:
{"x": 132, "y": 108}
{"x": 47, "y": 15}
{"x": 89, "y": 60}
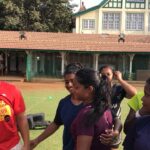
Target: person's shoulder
{"x": 4, "y": 84}
{"x": 65, "y": 99}
{"x": 86, "y": 109}
{"x": 143, "y": 119}
{"x": 117, "y": 85}
{"x": 142, "y": 122}
{"x": 118, "y": 88}
{"x": 107, "y": 111}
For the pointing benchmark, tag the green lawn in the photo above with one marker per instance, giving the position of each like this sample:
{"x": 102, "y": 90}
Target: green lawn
{"x": 38, "y": 101}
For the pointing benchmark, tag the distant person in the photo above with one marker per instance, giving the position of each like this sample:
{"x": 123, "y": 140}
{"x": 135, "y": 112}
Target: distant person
{"x": 95, "y": 117}
{"x": 138, "y": 135}
{"x": 67, "y": 110}
{"x": 1, "y": 64}
{"x": 12, "y": 119}
{"x": 118, "y": 92}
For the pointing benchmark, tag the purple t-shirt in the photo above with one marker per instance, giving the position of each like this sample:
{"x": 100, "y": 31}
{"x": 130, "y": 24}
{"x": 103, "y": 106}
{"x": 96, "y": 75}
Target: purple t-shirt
{"x": 104, "y": 122}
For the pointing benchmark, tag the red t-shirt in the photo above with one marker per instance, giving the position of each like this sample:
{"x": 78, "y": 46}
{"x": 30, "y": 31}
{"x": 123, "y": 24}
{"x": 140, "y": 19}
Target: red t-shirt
{"x": 11, "y": 104}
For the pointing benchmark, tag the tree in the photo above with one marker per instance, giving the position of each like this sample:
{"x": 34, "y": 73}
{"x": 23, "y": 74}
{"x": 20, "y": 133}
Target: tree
{"x": 11, "y": 14}
{"x": 36, "y": 15}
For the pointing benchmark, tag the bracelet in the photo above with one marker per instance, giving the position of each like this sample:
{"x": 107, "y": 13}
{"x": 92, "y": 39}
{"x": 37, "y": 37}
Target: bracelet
{"x": 137, "y": 114}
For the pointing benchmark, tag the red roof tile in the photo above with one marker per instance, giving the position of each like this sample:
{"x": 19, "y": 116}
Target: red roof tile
{"x": 74, "y": 42}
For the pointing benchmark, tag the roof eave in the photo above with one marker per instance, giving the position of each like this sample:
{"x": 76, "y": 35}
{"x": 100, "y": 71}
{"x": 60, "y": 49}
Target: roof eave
{"x": 90, "y": 9}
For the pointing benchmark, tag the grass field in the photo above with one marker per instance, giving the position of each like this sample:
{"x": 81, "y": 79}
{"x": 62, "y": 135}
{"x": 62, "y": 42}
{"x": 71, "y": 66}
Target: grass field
{"x": 37, "y": 100}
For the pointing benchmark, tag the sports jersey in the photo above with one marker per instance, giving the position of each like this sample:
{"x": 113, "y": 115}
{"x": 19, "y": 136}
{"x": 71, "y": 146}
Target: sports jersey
{"x": 11, "y": 104}
{"x": 118, "y": 93}
{"x": 65, "y": 114}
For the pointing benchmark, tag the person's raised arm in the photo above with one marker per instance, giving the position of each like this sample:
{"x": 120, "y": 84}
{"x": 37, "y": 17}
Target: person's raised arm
{"x": 129, "y": 89}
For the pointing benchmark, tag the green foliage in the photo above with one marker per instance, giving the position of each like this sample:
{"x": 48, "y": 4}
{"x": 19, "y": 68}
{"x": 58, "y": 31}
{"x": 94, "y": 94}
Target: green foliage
{"x": 36, "y": 15}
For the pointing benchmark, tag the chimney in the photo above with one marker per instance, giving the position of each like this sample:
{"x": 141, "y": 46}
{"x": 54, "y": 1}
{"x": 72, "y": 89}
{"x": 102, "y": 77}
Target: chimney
{"x": 82, "y": 7}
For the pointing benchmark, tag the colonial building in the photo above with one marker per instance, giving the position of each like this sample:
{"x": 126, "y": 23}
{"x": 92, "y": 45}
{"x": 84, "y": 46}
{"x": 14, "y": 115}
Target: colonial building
{"x": 43, "y": 54}
{"x": 115, "y": 32}
{"x": 115, "y": 17}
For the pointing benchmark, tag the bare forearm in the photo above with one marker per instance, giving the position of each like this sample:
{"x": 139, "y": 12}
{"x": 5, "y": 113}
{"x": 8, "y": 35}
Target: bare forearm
{"x": 23, "y": 128}
{"x": 117, "y": 125}
{"x": 130, "y": 90}
{"x": 47, "y": 132}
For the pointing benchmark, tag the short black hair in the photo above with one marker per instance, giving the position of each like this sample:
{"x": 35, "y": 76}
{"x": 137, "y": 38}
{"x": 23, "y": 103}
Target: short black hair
{"x": 72, "y": 68}
{"x": 105, "y": 66}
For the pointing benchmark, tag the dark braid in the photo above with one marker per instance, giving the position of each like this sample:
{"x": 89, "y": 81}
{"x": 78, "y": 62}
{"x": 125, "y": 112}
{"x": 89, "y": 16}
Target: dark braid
{"x": 102, "y": 93}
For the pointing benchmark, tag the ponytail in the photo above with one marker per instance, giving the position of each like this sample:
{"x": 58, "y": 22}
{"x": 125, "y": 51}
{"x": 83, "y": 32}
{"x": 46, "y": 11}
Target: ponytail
{"x": 101, "y": 102}
{"x": 101, "y": 93}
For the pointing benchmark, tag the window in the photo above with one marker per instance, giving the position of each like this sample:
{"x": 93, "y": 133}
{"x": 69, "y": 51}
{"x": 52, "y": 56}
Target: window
{"x": 88, "y": 24}
{"x": 135, "y": 4}
{"x": 135, "y": 21}
{"x": 111, "y": 21}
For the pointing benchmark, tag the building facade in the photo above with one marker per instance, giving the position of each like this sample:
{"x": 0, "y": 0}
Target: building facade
{"x": 43, "y": 54}
{"x": 115, "y": 32}
{"x": 115, "y": 17}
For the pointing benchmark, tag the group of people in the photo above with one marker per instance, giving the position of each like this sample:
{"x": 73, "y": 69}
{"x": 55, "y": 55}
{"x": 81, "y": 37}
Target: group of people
{"x": 91, "y": 113}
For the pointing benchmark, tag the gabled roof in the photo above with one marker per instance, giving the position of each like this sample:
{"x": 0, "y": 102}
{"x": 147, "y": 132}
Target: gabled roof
{"x": 91, "y": 9}
{"x": 100, "y": 43}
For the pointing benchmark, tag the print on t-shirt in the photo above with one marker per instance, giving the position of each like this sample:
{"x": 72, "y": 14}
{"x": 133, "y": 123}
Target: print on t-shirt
{"x": 5, "y": 111}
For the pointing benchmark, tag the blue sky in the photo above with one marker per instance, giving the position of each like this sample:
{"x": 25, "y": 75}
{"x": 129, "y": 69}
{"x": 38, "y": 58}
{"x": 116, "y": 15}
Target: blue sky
{"x": 87, "y": 3}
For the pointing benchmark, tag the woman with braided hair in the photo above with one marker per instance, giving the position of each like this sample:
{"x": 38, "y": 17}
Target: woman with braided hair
{"x": 95, "y": 117}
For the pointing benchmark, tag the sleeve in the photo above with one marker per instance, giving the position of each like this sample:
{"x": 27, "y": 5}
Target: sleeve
{"x": 122, "y": 92}
{"x": 57, "y": 118}
{"x": 118, "y": 93}
{"x": 135, "y": 102}
{"x": 81, "y": 129}
{"x": 19, "y": 105}
{"x": 128, "y": 143}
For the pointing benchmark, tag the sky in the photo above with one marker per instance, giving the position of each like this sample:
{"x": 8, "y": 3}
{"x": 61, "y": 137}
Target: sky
{"x": 87, "y": 3}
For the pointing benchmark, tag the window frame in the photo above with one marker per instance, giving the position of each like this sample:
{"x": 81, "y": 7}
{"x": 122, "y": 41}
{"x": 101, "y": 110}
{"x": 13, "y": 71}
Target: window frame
{"x": 88, "y": 24}
{"x": 111, "y": 21}
{"x": 136, "y": 21}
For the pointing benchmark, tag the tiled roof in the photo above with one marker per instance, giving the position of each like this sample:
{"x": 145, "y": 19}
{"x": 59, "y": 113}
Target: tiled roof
{"x": 74, "y": 42}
